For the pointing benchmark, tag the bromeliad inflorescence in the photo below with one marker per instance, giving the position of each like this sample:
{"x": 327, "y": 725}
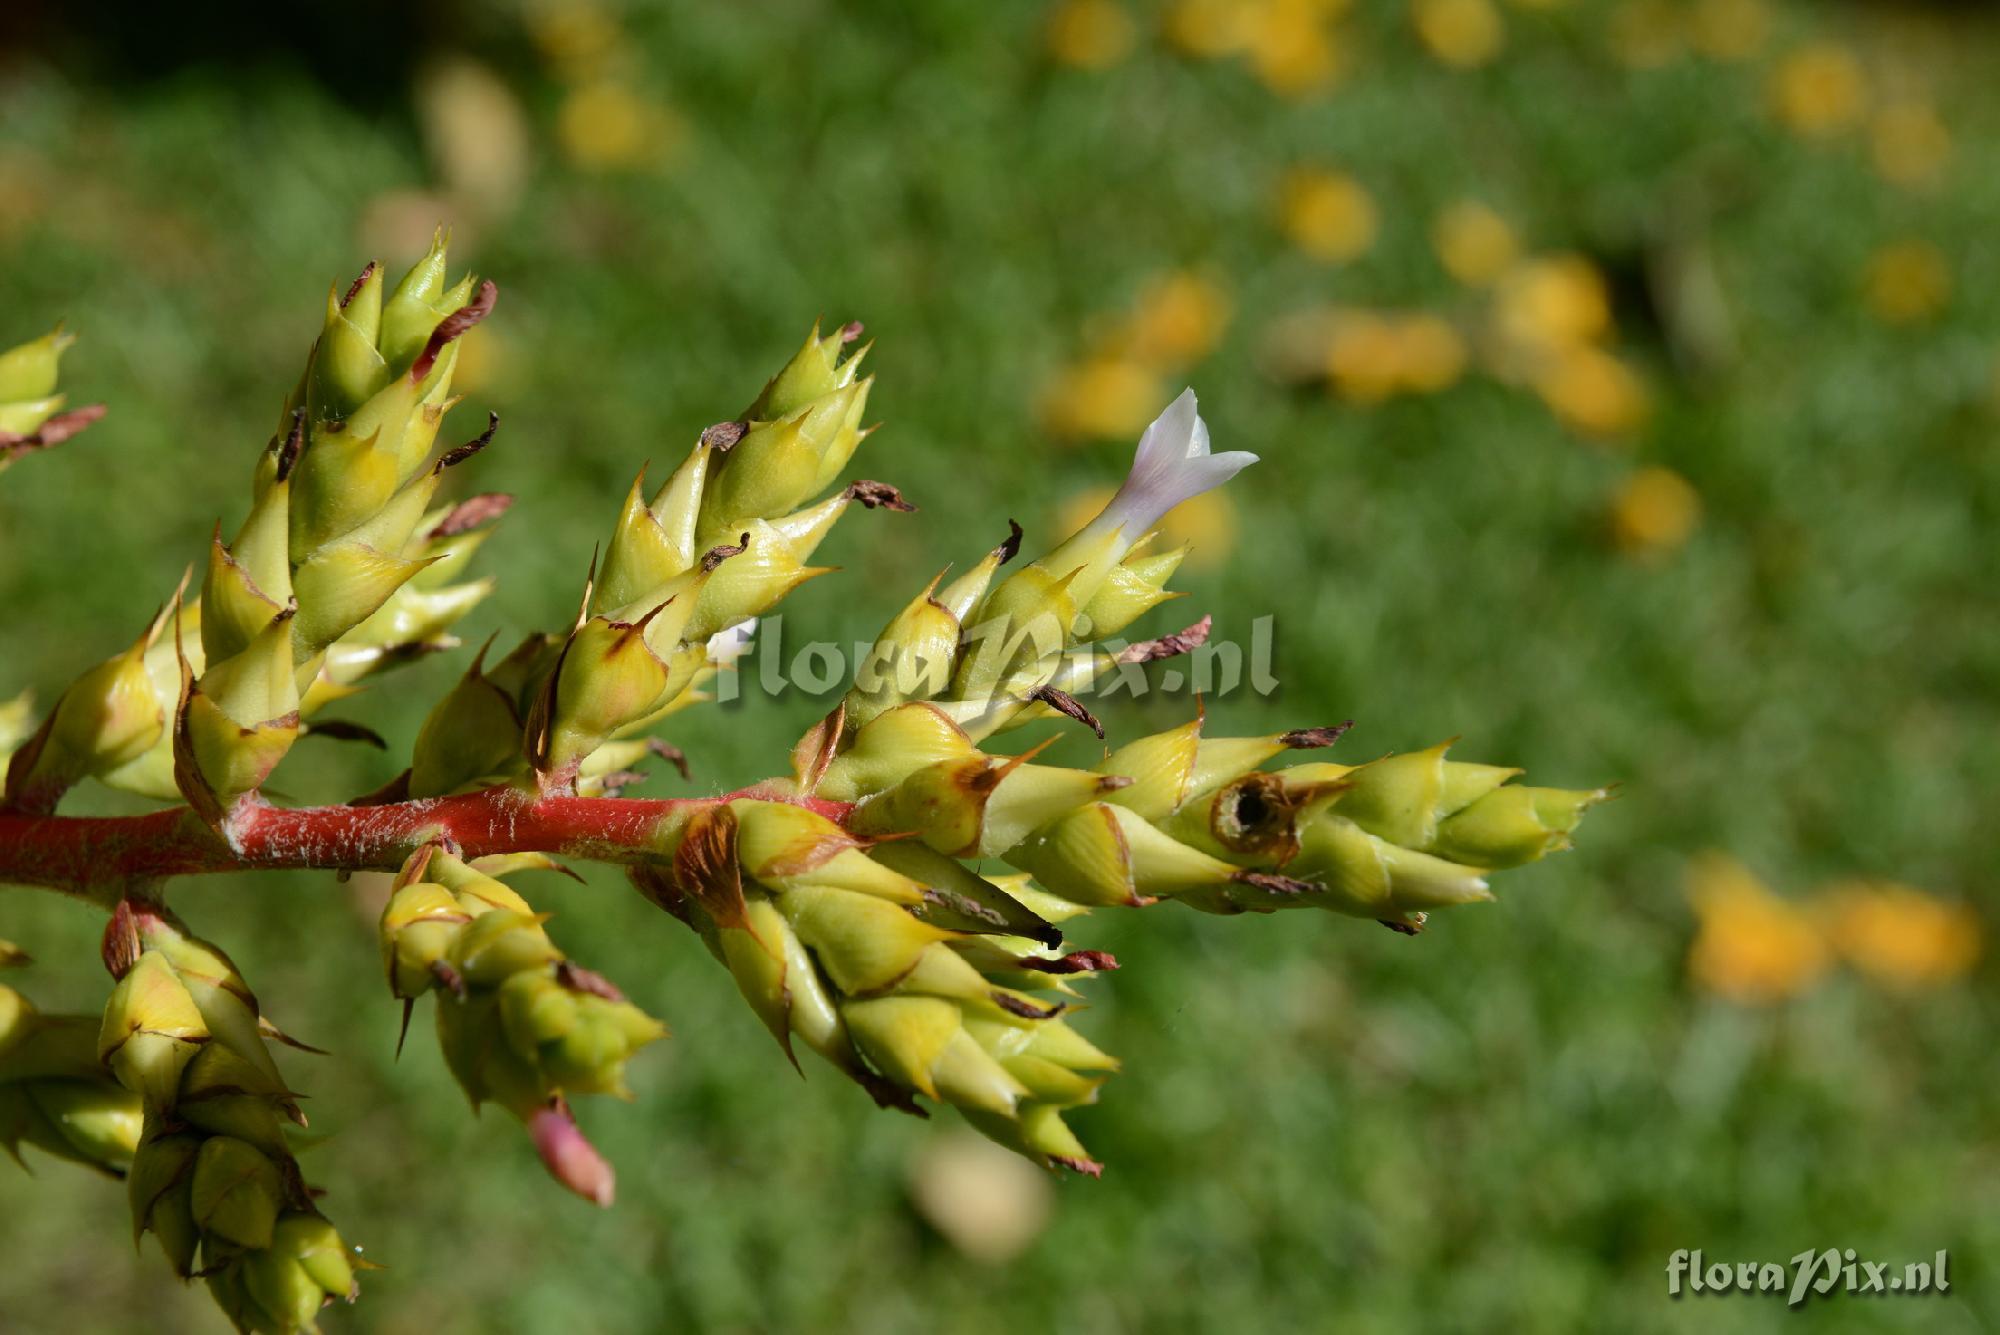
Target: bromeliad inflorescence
{"x": 857, "y": 900}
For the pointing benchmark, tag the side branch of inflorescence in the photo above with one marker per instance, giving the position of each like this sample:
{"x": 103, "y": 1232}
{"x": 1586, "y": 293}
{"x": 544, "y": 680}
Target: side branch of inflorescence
{"x": 84, "y": 855}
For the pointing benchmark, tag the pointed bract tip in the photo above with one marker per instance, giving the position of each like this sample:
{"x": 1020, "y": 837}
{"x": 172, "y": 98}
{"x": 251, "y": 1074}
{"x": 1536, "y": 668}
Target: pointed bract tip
{"x": 570, "y": 1158}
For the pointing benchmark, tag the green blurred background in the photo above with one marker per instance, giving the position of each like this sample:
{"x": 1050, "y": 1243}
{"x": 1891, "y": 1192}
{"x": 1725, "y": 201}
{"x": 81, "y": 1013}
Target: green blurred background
{"x": 1686, "y": 480}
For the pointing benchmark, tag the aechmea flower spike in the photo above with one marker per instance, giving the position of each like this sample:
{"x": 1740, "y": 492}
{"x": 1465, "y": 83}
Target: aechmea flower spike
{"x": 726, "y": 537}
{"x": 1196, "y": 819}
{"x": 340, "y": 568}
{"x": 518, "y": 1022}
{"x": 213, "y": 1177}
{"x": 899, "y": 966}
{"x": 54, "y": 1093}
{"x": 31, "y": 411}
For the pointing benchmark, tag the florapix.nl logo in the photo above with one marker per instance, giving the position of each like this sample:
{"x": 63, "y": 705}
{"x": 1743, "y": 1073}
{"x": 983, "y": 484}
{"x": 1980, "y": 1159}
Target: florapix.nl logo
{"x": 1810, "y": 1274}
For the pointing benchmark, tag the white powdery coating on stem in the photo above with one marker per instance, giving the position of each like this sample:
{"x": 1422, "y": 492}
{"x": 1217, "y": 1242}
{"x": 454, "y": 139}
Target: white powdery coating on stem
{"x": 1171, "y": 465}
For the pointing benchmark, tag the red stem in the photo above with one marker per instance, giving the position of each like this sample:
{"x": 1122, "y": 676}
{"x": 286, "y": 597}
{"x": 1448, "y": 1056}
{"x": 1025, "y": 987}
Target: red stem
{"x": 82, "y": 853}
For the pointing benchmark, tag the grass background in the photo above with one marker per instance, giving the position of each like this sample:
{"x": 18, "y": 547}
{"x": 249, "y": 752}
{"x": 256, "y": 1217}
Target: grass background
{"x": 1509, "y": 1122}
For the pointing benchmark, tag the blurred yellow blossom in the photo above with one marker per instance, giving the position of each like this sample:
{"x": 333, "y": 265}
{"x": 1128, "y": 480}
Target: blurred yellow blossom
{"x": 1908, "y": 282}
{"x": 1292, "y": 49}
{"x": 1328, "y": 215}
{"x": 1373, "y": 355}
{"x": 1730, "y": 29}
{"x": 1116, "y": 387}
{"x": 1433, "y": 352}
{"x": 1177, "y": 321}
{"x": 1210, "y": 29}
{"x": 1474, "y": 243}
{"x": 1205, "y": 525}
{"x": 1910, "y": 144}
{"x": 1593, "y": 393}
{"x": 609, "y": 126}
{"x": 1899, "y": 935}
{"x": 987, "y": 1202}
{"x": 1103, "y": 398}
{"x": 1819, "y": 89}
{"x": 1463, "y": 33}
{"x": 1364, "y": 361}
{"x": 1548, "y": 303}
{"x": 1091, "y": 34}
{"x": 1653, "y": 513}
{"x": 1750, "y": 946}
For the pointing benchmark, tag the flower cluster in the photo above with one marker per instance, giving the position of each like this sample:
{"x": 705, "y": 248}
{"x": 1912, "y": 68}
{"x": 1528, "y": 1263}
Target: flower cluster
{"x": 854, "y": 900}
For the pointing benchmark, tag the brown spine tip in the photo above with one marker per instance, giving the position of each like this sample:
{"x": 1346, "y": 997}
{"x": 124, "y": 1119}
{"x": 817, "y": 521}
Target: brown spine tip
{"x": 579, "y": 979}
{"x": 1274, "y": 883}
{"x": 1308, "y": 739}
{"x": 670, "y": 753}
{"x": 458, "y": 454}
{"x": 1026, "y": 1009}
{"x": 1011, "y": 546}
{"x": 293, "y": 445}
{"x": 1077, "y": 961}
{"x": 1082, "y": 1167}
{"x": 878, "y": 495}
{"x": 1167, "y": 646}
{"x": 1065, "y": 703}
{"x": 723, "y": 436}
{"x": 454, "y": 326}
{"x": 715, "y": 556}
{"x": 1409, "y": 926}
{"x": 470, "y": 513}
{"x": 55, "y": 431}
{"x": 354, "y": 288}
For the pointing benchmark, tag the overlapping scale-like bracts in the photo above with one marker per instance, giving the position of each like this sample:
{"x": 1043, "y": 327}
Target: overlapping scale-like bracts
{"x": 212, "y": 1176}
{"x": 729, "y": 534}
{"x": 1179, "y": 815}
{"x": 343, "y": 566}
{"x": 897, "y": 964}
{"x": 520, "y": 1024}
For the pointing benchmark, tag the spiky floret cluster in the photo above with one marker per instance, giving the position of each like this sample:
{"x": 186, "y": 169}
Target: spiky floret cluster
{"x": 342, "y": 566}
{"x": 843, "y": 900}
{"x": 722, "y": 540}
{"x": 212, "y": 1176}
{"x": 901, "y": 967}
{"x": 519, "y": 1023}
